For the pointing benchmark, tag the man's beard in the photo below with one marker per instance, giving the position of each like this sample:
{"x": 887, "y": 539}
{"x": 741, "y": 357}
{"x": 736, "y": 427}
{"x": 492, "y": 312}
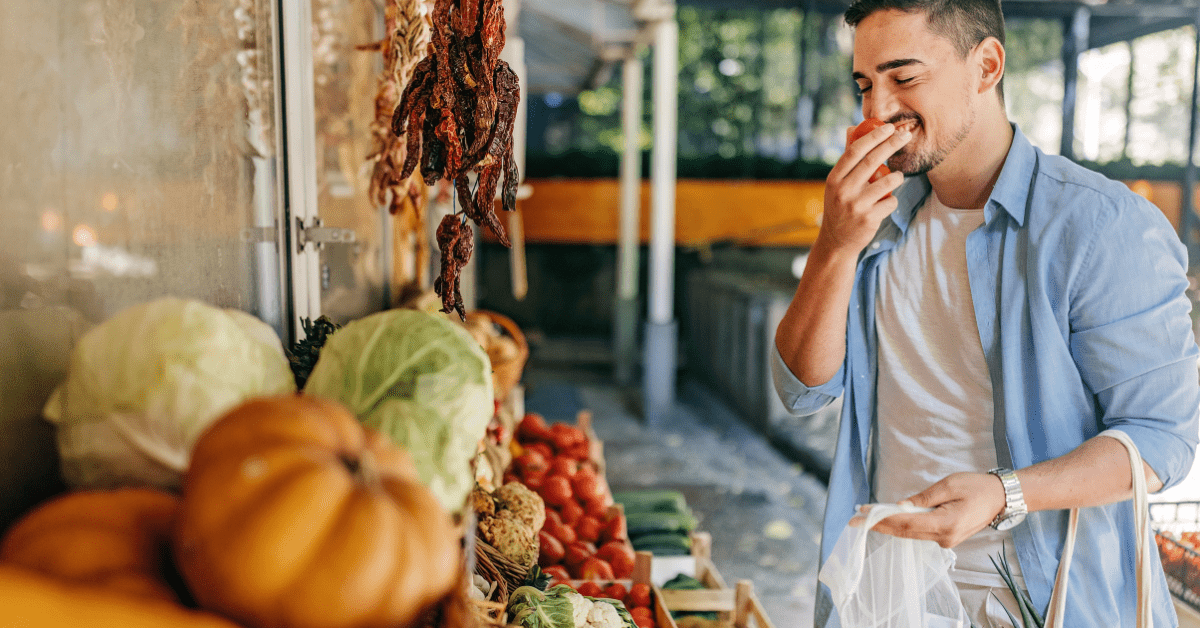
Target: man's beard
{"x": 912, "y": 161}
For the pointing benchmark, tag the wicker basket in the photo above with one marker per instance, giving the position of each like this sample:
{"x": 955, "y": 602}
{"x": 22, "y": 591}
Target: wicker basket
{"x": 505, "y": 375}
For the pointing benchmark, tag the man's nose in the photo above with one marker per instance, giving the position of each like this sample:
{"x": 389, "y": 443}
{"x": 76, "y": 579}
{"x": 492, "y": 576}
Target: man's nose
{"x": 879, "y": 103}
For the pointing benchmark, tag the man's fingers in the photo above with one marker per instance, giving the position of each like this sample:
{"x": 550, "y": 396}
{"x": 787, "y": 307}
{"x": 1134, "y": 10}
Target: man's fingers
{"x": 884, "y": 186}
{"x": 929, "y": 526}
{"x": 856, "y": 151}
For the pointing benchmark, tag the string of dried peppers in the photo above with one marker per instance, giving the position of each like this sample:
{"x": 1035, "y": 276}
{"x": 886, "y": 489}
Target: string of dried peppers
{"x": 459, "y": 109}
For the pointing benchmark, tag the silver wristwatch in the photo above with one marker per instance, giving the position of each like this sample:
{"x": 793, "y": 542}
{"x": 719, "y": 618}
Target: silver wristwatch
{"x": 1014, "y": 500}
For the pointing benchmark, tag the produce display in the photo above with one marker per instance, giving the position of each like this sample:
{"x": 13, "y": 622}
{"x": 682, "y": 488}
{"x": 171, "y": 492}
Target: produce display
{"x": 582, "y": 537}
{"x": 346, "y": 505}
{"x": 132, "y": 405}
{"x": 420, "y": 379}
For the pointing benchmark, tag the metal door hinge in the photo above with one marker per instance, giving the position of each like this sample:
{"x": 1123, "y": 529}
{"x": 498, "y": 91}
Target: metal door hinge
{"x": 320, "y": 236}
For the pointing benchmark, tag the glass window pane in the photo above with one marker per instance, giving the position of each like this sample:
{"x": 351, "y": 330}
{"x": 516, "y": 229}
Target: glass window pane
{"x": 354, "y": 277}
{"x": 137, "y": 156}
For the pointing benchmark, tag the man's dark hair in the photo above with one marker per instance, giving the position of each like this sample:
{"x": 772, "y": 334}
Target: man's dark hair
{"x": 964, "y": 23}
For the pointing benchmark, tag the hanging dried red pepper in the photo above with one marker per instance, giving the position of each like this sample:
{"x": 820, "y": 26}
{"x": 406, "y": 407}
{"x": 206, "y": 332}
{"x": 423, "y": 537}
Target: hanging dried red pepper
{"x": 459, "y": 110}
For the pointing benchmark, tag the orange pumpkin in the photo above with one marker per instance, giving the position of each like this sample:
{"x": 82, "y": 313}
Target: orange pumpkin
{"x": 115, "y": 539}
{"x": 295, "y": 515}
{"x": 33, "y": 599}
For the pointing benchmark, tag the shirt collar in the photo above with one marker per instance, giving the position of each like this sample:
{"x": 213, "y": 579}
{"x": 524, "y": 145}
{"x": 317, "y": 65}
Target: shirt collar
{"x": 1010, "y": 192}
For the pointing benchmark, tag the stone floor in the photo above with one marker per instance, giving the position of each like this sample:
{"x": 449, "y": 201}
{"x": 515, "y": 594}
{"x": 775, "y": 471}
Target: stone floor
{"x": 762, "y": 508}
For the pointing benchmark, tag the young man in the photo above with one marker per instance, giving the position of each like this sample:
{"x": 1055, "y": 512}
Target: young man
{"x": 997, "y": 311}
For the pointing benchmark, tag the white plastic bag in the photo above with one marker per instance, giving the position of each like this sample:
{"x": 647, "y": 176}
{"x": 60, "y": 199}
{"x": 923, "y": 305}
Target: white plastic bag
{"x": 882, "y": 581}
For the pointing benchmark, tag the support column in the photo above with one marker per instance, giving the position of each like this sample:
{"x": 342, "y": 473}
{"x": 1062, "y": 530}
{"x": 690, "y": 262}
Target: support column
{"x": 661, "y": 329}
{"x": 1076, "y": 33}
{"x": 625, "y": 316}
{"x": 1187, "y": 207}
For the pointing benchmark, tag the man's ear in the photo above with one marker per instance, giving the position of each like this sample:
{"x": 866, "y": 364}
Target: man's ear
{"x": 989, "y": 55}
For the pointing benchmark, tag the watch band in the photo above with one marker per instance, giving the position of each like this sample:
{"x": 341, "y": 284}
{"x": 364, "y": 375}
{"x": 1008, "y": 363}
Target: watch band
{"x": 1015, "y": 508}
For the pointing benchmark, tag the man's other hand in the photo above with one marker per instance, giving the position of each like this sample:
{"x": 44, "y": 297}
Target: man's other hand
{"x": 962, "y": 503}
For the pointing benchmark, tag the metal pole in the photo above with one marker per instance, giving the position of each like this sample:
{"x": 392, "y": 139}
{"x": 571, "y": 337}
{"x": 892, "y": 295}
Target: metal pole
{"x": 804, "y": 106}
{"x": 1075, "y": 41}
{"x": 626, "y": 314}
{"x": 1128, "y": 103}
{"x": 661, "y": 329}
{"x": 299, "y": 119}
{"x": 1187, "y": 215}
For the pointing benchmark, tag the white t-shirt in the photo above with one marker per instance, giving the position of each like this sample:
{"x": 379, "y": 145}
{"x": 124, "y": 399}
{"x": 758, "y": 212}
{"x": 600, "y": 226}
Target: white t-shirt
{"x": 935, "y": 411}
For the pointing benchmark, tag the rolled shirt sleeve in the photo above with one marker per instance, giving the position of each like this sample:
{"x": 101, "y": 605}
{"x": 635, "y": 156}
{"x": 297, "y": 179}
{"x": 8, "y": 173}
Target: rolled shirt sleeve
{"x": 1131, "y": 335}
{"x": 799, "y": 399}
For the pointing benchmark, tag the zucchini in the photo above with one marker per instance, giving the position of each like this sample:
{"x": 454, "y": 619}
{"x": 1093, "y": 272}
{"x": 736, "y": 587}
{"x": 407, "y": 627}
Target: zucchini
{"x": 663, "y": 543}
{"x": 639, "y": 523}
{"x": 654, "y": 500}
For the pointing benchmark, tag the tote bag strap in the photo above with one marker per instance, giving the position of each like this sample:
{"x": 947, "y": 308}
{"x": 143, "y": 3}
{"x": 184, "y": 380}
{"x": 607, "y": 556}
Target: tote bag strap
{"x": 1141, "y": 525}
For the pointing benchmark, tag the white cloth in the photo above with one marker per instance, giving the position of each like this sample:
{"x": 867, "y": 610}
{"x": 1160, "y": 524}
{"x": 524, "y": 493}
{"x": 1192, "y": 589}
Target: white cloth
{"x": 935, "y": 410}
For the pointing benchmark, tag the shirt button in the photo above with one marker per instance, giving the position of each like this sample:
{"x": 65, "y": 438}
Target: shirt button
{"x": 875, "y": 245}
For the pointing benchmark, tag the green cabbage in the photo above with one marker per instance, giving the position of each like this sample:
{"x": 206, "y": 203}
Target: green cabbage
{"x": 143, "y": 385}
{"x": 422, "y": 380}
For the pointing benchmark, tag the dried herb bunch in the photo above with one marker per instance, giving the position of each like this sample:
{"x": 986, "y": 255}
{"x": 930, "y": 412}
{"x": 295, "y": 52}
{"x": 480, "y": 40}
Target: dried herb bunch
{"x": 459, "y": 110}
{"x": 303, "y": 354}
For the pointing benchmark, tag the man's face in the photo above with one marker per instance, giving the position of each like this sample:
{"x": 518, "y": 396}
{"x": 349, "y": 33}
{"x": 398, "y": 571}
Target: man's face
{"x": 915, "y": 79}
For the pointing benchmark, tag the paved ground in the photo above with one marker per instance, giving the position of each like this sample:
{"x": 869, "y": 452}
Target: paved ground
{"x": 762, "y": 509}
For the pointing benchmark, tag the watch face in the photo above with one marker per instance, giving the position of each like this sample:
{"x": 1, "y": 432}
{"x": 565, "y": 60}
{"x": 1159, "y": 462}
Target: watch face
{"x": 1010, "y": 522}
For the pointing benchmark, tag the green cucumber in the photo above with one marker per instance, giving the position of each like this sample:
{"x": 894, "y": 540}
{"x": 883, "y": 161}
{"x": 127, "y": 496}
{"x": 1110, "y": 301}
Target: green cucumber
{"x": 653, "y": 500}
{"x": 663, "y": 543}
{"x": 639, "y": 523}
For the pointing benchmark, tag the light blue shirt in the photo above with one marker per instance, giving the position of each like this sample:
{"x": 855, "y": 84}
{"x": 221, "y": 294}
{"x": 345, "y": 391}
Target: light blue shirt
{"x": 1078, "y": 286}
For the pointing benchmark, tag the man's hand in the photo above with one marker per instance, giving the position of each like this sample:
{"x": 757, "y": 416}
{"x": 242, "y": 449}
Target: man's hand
{"x": 963, "y": 504}
{"x": 854, "y": 207}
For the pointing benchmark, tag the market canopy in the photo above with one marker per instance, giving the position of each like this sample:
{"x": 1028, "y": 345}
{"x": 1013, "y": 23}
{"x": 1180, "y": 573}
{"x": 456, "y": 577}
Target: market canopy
{"x": 572, "y": 46}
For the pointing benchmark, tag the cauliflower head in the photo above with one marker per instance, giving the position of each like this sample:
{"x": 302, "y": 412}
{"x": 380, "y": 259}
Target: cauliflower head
{"x": 604, "y": 615}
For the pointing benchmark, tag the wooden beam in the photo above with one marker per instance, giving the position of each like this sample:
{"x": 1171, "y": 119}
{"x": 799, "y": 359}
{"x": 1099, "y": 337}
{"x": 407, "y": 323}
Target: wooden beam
{"x": 745, "y": 212}
{"x": 768, "y": 213}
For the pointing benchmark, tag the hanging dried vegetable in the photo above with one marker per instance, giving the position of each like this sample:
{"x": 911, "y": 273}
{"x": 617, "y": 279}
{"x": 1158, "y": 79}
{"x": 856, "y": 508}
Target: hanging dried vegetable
{"x": 459, "y": 110}
{"x": 406, "y": 24}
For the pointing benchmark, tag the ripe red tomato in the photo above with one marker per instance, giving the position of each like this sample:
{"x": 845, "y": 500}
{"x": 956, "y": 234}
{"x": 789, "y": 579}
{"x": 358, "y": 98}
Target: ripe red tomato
{"x": 864, "y": 127}
{"x": 590, "y": 589}
{"x": 616, "y": 591}
{"x": 639, "y": 595}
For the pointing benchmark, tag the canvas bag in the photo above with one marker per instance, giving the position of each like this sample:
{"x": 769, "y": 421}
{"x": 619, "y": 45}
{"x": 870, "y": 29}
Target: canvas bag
{"x": 881, "y": 581}
{"x": 1143, "y": 565}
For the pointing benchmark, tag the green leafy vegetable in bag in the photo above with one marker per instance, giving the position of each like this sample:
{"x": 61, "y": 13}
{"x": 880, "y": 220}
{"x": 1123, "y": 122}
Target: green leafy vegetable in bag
{"x": 143, "y": 385}
{"x": 422, "y": 380}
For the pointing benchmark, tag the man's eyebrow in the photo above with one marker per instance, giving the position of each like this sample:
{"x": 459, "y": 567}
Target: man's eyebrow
{"x": 889, "y": 65}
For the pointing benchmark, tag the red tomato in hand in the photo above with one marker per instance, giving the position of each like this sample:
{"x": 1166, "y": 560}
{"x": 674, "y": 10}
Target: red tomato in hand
{"x": 864, "y": 127}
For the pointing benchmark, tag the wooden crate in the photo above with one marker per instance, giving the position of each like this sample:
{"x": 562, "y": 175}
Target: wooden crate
{"x": 738, "y": 607}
